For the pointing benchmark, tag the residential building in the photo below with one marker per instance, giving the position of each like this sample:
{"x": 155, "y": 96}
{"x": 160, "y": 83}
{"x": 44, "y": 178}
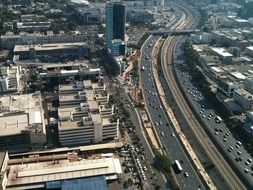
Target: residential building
{"x": 244, "y": 99}
{"x": 115, "y": 23}
{"x": 22, "y": 122}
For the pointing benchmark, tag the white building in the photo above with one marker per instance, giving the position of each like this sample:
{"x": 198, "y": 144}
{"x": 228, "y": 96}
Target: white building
{"x": 84, "y": 114}
{"x": 222, "y": 53}
{"x": 9, "y": 82}
{"x": 244, "y": 99}
{"x": 22, "y": 121}
{"x": 9, "y": 40}
{"x": 249, "y": 51}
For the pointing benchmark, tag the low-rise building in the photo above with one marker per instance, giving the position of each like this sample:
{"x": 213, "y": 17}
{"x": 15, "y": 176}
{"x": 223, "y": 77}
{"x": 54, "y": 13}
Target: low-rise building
{"x": 46, "y": 52}
{"x": 224, "y": 55}
{"x": 9, "y": 40}
{"x": 248, "y": 84}
{"x": 4, "y": 158}
{"x": 22, "y": 122}
{"x": 249, "y": 51}
{"x": 10, "y": 79}
{"x": 228, "y": 87}
{"x": 244, "y": 99}
{"x": 57, "y": 173}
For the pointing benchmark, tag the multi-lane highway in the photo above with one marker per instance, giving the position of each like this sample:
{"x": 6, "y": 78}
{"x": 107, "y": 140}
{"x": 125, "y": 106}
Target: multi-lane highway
{"x": 168, "y": 70}
{"x": 188, "y": 178}
{"x": 161, "y": 123}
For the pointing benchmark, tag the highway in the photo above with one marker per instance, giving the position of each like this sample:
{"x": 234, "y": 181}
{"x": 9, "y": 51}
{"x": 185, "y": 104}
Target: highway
{"x": 160, "y": 120}
{"x": 168, "y": 71}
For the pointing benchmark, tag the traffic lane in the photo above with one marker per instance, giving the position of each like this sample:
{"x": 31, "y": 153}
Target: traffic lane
{"x": 169, "y": 143}
{"x": 173, "y": 144}
{"x": 230, "y": 140}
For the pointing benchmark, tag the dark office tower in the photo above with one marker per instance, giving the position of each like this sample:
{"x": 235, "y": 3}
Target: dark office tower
{"x": 115, "y": 24}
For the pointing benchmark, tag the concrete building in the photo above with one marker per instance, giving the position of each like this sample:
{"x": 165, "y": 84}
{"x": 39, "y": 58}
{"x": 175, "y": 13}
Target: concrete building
{"x": 9, "y": 40}
{"x": 49, "y": 52}
{"x": 69, "y": 71}
{"x": 223, "y": 54}
{"x": 9, "y": 80}
{"x": 228, "y": 87}
{"x": 54, "y": 174}
{"x": 31, "y": 23}
{"x": 248, "y": 84}
{"x": 84, "y": 114}
{"x": 7, "y": 26}
{"x": 22, "y": 122}
{"x": 140, "y": 15}
{"x": 249, "y": 51}
{"x": 4, "y": 158}
{"x": 115, "y": 23}
{"x": 244, "y": 99}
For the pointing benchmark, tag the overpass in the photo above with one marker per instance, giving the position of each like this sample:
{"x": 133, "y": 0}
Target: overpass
{"x": 174, "y": 32}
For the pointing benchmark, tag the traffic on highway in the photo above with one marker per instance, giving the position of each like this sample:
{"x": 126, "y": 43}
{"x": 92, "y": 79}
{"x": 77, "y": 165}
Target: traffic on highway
{"x": 188, "y": 178}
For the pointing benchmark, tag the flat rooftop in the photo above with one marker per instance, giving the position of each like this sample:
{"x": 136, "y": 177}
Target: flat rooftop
{"x": 36, "y": 173}
{"x": 13, "y": 124}
{"x": 222, "y": 52}
{"x": 48, "y": 47}
{"x": 86, "y": 148}
{"x": 20, "y": 111}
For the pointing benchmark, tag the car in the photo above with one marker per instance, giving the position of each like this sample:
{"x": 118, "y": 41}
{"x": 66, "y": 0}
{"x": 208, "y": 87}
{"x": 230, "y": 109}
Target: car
{"x": 247, "y": 163}
{"x": 239, "y": 152}
{"x": 145, "y": 168}
{"x": 246, "y": 170}
{"x": 173, "y": 134}
{"x": 162, "y": 133}
{"x": 224, "y": 139}
{"x": 186, "y": 174}
{"x": 249, "y": 160}
{"x": 238, "y": 143}
{"x": 216, "y": 133}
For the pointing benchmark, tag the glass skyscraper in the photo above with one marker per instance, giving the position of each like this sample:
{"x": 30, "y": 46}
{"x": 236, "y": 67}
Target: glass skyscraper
{"x": 115, "y": 24}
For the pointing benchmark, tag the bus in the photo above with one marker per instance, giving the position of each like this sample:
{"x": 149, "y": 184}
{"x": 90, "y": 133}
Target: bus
{"x": 218, "y": 119}
{"x": 178, "y": 167}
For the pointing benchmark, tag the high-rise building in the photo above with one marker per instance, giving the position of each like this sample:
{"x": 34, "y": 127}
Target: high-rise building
{"x": 115, "y": 23}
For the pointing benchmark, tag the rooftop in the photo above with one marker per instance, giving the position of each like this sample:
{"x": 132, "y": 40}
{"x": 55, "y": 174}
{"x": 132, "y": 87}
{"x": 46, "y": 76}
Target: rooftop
{"x": 222, "y": 52}
{"x": 244, "y": 93}
{"x": 48, "y": 47}
{"x": 36, "y": 173}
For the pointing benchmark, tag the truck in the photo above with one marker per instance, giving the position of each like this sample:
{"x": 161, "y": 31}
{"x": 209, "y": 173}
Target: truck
{"x": 177, "y": 167}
